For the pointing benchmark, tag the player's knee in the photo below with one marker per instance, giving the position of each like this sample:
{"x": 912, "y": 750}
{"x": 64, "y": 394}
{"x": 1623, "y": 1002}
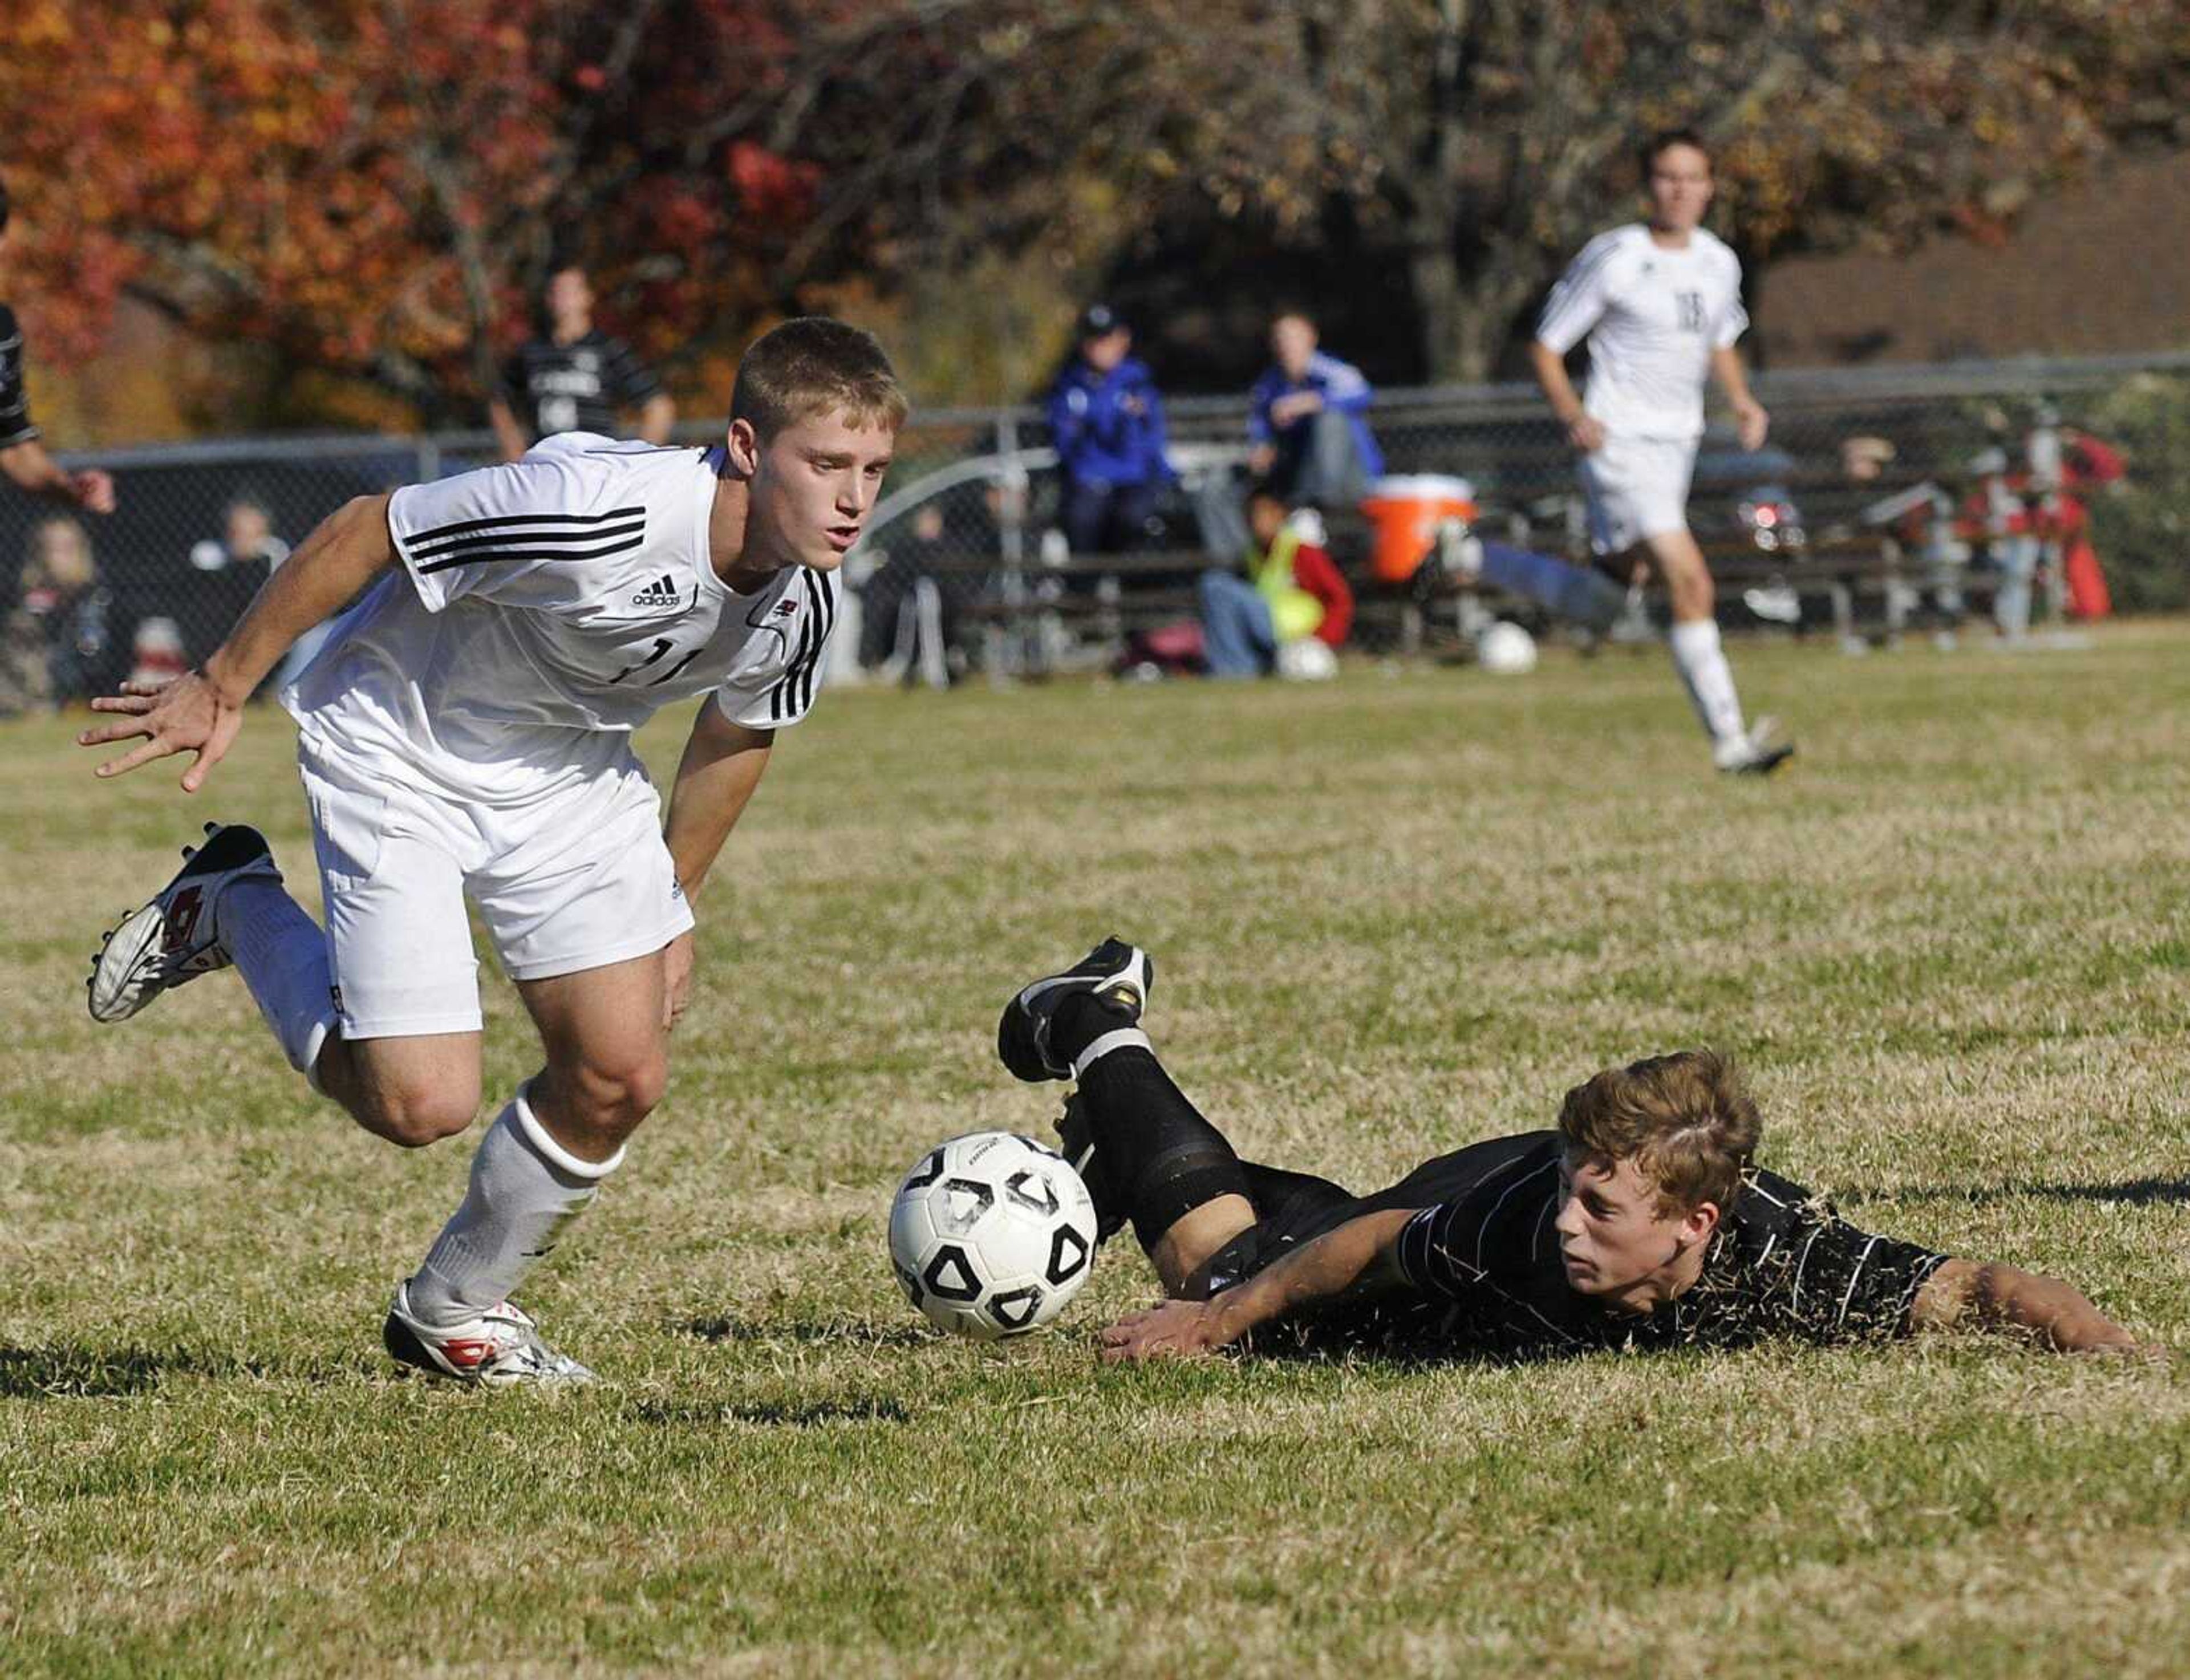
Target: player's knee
{"x": 413, "y": 1114}
{"x": 618, "y": 1092}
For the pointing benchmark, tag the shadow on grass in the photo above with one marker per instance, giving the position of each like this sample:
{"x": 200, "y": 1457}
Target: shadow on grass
{"x": 774, "y": 1414}
{"x": 77, "y": 1372}
{"x": 2134, "y": 1192}
{"x": 845, "y": 1331}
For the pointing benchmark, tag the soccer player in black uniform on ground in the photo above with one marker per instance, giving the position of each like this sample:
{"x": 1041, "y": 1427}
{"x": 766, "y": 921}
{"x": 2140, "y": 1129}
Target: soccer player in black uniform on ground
{"x": 22, "y": 459}
{"x": 574, "y": 377}
{"x": 1640, "y": 1222}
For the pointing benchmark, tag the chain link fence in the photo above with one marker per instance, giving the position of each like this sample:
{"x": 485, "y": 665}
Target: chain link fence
{"x": 1984, "y": 467}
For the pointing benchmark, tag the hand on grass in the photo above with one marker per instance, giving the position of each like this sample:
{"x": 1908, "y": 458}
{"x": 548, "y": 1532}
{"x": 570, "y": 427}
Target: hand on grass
{"x": 1174, "y": 1330}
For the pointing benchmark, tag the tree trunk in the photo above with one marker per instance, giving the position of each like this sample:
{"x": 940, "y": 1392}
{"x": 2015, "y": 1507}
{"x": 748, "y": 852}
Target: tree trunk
{"x": 1449, "y": 352}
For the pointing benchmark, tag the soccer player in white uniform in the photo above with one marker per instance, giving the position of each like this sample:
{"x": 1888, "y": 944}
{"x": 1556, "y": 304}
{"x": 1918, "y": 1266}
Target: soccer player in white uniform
{"x": 466, "y": 733}
{"x": 1661, "y": 304}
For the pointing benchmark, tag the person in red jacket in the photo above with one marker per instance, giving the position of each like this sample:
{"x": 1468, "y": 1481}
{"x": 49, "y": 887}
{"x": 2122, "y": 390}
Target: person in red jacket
{"x": 1289, "y": 595}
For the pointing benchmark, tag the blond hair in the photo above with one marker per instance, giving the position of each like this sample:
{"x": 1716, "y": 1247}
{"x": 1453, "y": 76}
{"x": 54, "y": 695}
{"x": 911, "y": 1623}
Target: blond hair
{"x": 812, "y": 366}
{"x": 58, "y": 556}
{"x": 1686, "y": 1120}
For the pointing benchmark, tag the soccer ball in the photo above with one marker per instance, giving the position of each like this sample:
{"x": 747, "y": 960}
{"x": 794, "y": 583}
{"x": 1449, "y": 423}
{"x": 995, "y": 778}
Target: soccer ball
{"x": 1307, "y": 659}
{"x": 1506, "y": 648}
{"x": 991, "y": 1234}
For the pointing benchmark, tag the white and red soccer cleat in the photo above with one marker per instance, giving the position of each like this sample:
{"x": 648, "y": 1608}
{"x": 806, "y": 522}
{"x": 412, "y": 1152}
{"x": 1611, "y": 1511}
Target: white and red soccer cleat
{"x": 500, "y": 1349}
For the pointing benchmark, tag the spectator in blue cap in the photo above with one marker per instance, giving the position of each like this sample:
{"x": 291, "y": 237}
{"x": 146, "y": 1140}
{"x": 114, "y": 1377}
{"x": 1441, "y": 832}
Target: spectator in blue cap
{"x": 1107, "y": 420}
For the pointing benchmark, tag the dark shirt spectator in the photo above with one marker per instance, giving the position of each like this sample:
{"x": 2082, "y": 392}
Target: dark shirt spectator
{"x": 574, "y": 377}
{"x": 1107, "y": 419}
{"x": 226, "y": 572}
{"x": 23, "y": 459}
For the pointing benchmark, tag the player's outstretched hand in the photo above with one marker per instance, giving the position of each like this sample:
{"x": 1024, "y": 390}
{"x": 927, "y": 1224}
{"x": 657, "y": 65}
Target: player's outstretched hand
{"x": 93, "y": 490}
{"x": 187, "y": 714}
{"x": 1175, "y": 1329}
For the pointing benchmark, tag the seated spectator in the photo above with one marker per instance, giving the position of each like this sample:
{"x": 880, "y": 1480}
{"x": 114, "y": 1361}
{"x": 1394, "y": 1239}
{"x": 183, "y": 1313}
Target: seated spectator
{"x": 1307, "y": 426}
{"x": 230, "y": 569}
{"x": 57, "y": 629}
{"x": 1107, "y": 419}
{"x": 1307, "y": 418}
{"x": 1290, "y": 595}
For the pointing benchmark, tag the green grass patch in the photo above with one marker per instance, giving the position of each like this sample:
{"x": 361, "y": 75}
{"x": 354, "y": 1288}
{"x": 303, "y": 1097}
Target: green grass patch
{"x": 1391, "y": 915}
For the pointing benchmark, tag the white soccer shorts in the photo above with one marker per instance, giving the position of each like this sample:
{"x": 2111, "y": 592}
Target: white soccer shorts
{"x": 1637, "y": 489}
{"x": 577, "y": 880}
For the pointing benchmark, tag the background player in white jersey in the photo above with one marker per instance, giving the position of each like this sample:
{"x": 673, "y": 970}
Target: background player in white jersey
{"x": 465, "y": 733}
{"x": 1661, "y": 304}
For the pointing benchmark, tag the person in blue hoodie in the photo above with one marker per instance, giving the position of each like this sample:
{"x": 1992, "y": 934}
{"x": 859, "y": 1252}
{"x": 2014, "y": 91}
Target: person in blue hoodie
{"x": 1308, "y": 433}
{"x": 1308, "y": 420}
{"x": 1107, "y": 419}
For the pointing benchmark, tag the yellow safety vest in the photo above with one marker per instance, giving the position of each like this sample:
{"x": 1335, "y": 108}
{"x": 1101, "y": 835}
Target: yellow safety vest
{"x": 1294, "y": 613}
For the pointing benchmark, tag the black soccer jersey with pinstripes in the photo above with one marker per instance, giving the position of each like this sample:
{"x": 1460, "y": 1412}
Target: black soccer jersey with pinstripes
{"x": 1782, "y": 1263}
{"x": 577, "y": 387}
{"x": 15, "y": 425}
{"x": 571, "y": 590}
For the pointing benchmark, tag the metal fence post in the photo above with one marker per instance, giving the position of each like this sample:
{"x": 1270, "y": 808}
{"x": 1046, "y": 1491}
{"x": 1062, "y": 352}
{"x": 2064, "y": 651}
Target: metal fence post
{"x": 1010, "y": 541}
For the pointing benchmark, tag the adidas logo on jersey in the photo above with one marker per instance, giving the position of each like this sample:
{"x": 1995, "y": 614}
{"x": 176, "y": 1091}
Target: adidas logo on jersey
{"x": 661, "y": 593}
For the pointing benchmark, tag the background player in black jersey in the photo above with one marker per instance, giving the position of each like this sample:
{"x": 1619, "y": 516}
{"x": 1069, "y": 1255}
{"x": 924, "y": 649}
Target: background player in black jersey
{"x": 22, "y": 459}
{"x": 574, "y": 377}
{"x": 1641, "y": 1221}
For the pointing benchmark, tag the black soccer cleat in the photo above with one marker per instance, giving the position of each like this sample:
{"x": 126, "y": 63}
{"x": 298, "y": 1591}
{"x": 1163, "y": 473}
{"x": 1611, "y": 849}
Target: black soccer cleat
{"x": 1119, "y": 973}
{"x": 176, "y": 936}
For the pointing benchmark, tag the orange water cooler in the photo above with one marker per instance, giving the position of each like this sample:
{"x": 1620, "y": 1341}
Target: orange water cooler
{"x": 1405, "y": 511}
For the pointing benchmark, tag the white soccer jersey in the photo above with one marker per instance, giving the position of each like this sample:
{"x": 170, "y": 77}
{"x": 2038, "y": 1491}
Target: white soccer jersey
{"x": 548, "y": 608}
{"x": 1652, "y": 316}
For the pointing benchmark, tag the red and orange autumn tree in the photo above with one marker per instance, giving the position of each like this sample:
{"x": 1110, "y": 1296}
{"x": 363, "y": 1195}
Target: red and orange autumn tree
{"x": 376, "y": 189}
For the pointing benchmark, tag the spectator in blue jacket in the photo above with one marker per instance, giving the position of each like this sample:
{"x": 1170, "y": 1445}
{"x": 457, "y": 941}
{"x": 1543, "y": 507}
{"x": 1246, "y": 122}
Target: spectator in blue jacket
{"x": 1107, "y": 419}
{"x": 1307, "y": 419}
{"x": 1307, "y": 425}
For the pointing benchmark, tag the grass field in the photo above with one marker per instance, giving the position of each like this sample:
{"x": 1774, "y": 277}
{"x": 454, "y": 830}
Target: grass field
{"x": 1391, "y": 914}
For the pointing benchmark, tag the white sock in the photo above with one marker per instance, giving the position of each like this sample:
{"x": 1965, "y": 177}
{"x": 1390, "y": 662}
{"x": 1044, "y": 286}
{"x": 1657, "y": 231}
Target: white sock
{"x": 1698, "y": 656}
{"x": 282, "y": 955}
{"x": 525, "y": 1188}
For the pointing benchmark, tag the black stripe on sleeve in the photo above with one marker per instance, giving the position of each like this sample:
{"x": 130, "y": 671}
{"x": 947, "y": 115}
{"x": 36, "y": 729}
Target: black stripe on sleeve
{"x": 505, "y": 519}
{"x": 486, "y": 545}
{"x": 504, "y": 556}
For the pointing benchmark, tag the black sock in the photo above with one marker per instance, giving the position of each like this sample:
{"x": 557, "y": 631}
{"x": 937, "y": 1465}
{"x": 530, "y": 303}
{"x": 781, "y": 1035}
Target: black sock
{"x": 1273, "y": 1188}
{"x": 1161, "y": 1159}
{"x": 1081, "y": 1020}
